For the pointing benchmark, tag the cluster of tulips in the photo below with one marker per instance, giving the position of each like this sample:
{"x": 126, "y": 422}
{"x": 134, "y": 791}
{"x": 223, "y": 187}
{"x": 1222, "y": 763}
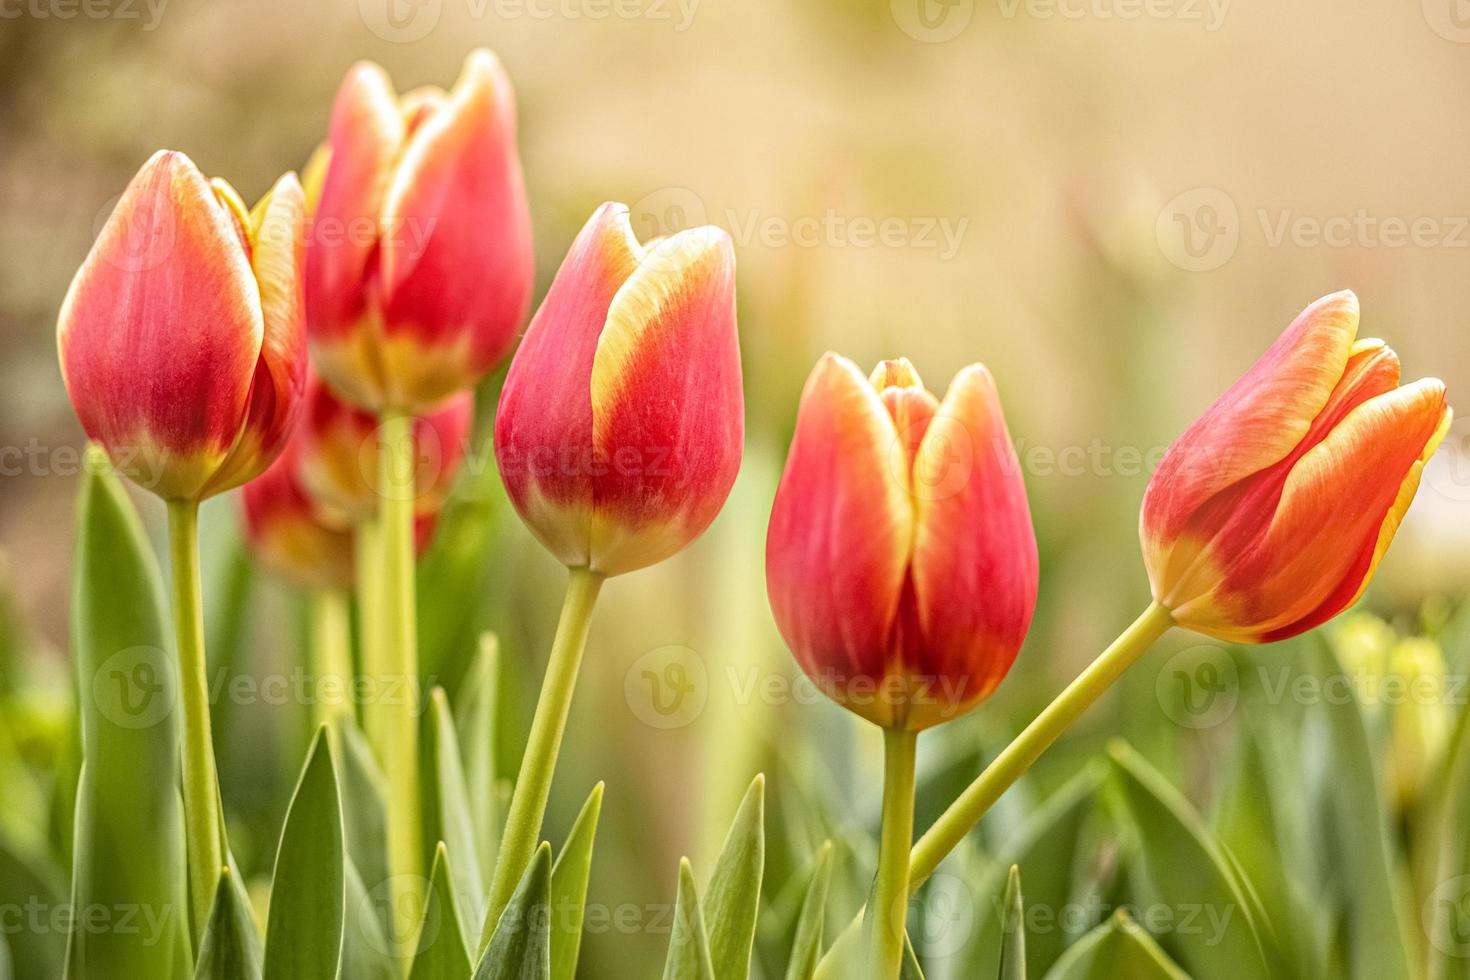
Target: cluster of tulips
{"x": 901, "y": 563}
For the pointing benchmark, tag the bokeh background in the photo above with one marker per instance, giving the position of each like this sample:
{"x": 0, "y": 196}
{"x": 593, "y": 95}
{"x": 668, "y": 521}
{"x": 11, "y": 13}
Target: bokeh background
{"x": 1115, "y": 205}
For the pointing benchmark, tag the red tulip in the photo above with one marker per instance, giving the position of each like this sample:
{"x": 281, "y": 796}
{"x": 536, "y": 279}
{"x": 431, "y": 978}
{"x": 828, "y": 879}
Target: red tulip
{"x": 181, "y": 336}
{"x": 419, "y": 265}
{"x": 620, "y": 428}
{"x": 1271, "y": 512}
{"x": 288, "y": 532}
{"x": 339, "y": 453}
{"x": 900, "y": 560}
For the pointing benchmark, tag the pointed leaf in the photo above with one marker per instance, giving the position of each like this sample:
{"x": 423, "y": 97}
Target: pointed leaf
{"x": 230, "y": 949}
{"x": 476, "y": 712}
{"x": 569, "y": 888}
{"x": 309, "y": 891}
{"x": 807, "y": 949}
{"x": 364, "y": 802}
{"x": 520, "y": 949}
{"x": 447, "y": 815}
{"x": 1013, "y": 931}
{"x": 689, "y": 950}
{"x": 733, "y": 900}
{"x": 1117, "y": 948}
{"x": 442, "y": 951}
{"x": 128, "y": 844}
{"x": 367, "y": 949}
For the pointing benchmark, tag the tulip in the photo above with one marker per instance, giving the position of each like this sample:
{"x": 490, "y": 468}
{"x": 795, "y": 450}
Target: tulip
{"x": 1269, "y": 515}
{"x": 902, "y": 571}
{"x": 339, "y": 464}
{"x": 618, "y": 436}
{"x": 419, "y": 265}
{"x": 288, "y": 531}
{"x": 181, "y": 347}
{"x": 901, "y": 563}
{"x": 181, "y": 337}
{"x": 620, "y": 428}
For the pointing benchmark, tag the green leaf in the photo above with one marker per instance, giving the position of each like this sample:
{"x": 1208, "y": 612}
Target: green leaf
{"x": 477, "y": 713}
{"x": 807, "y": 948}
{"x": 230, "y": 949}
{"x": 367, "y": 949}
{"x": 28, "y": 881}
{"x": 1118, "y": 948}
{"x": 1189, "y": 874}
{"x": 520, "y": 949}
{"x": 733, "y": 900}
{"x": 569, "y": 888}
{"x": 364, "y": 802}
{"x": 447, "y": 814}
{"x": 128, "y": 849}
{"x": 689, "y": 948}
{"x": 309, "y": 891}
{"x": 909, "y": 968}
{"x": 442, "y": 951}
{"x": 1013, "y": 930}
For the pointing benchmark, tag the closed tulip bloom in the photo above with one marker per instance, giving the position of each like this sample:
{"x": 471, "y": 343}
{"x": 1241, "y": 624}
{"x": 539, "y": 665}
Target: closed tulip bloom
{"x": 181, "y": 338}
{"x": 1271, "y": 512}
{"x": 419, "y": 265}
{"x": 339, "y": 453}
{"x": 900, "y": 561}
{"x": 288, "y": 532}
{"x": 620, "y": 428}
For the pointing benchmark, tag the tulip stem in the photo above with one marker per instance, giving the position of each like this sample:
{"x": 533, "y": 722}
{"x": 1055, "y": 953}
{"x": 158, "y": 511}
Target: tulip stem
{"x": 367, "y": 544}
{"x": 1016, "y": 758}
{"x": 538, "y": 764}
{"x": 203, "y": 820}
{"x": 331, "y": 656}
{"x": 888, "y": 916}
{"x": 397, "y": 680}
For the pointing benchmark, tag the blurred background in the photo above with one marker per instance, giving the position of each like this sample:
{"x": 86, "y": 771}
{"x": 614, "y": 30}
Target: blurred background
{"x": 1116, "y": 206}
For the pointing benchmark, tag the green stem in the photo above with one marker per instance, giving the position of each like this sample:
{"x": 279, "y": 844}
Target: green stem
{"x": 397, "y": 673}
{"x": 203, "y": 820}
{"x": 368, "y": 557}
{"x": 888, "y": 916}
{"x": 1017, "y": 757}
{"x": 533, "y": 784}
{"x": 331, "y": 656}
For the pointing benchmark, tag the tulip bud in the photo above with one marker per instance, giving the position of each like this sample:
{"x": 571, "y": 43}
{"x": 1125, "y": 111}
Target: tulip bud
{"x": 339, "y": 454}
{"x": 289, "y": 534}
{"x": 620, "y": 428}
{"x": 419, "y": 265}
{"x": 900, "y": 561}
{"x": 1270, "y": 513}
{"x": 181, "y": 337}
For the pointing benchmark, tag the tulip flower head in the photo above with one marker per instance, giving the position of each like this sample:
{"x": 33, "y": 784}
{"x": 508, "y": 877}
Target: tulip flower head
{"x": 900, "y": 560}
{"x": 620, "y": 428}
{"x": 181, "y": 338}
{"x": 288, "y": 532}
{"x": 1269, "y": 515}
{"x": 419, "y": 265}
{"x": 340, "y": 445}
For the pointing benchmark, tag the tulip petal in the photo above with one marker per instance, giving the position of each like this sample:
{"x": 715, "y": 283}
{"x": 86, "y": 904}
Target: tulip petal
{"x": 286, "y": 533}
{"x": 668, "y": 414}
{"x": 276, "y": 251}
{"x": 543, "y": 425}
{"x": 161, "y": 330}
{"x": 841, "y": 527}
{"x": 974, "y": 565}
{"x": 456, "y": 259}
{"x": 1254, "y": 425}
{"x": 365, "y": 138}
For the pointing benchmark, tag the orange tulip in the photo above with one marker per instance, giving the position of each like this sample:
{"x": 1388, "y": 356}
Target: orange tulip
{"x": 181, "y": 337}
{"x": 419, "y": 264}
{"x": 900, "y": 560}
{"x": 339, "y": 454}
{"x": 620, "y": 428}
{"x": 1271, "y": 512}
{"x": 288, "y": 532}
